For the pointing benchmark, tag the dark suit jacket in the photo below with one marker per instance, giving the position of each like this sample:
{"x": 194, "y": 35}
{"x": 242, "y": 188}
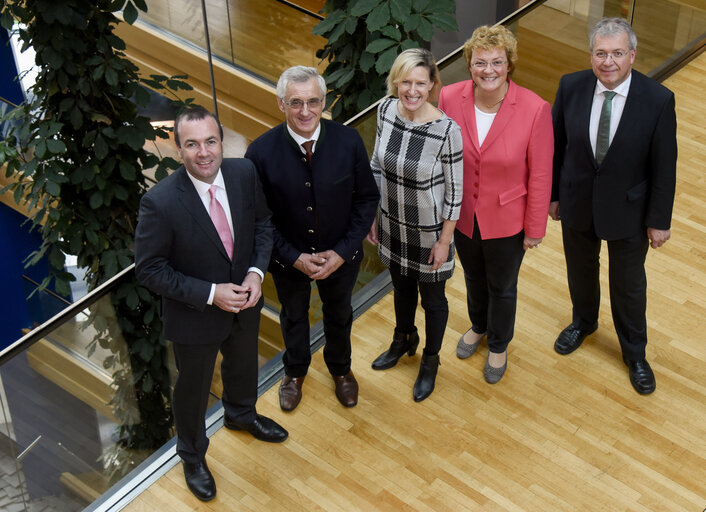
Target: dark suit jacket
{"x": 328, "y": 206}
{"x": 178, "y": 253}
{"x": 633, "y": 188}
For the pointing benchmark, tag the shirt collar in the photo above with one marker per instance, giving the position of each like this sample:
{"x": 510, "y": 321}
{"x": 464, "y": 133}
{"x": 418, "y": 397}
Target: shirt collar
{"x": 202, "y": 187}
{"x": 300, "y": 140}
{"x": 621, "y": 90}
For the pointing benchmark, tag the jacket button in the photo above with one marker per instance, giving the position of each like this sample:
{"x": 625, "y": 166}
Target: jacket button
{"x": 307, "y": 184}
{"x": 309, "y": 209}
{"x": 311, "y": 231}
{"x": 304, "y": 159}
{"x": 475, "y": 195}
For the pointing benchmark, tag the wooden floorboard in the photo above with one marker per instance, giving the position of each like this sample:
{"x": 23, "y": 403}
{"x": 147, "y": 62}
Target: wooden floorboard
{"x": 557, "y": 433}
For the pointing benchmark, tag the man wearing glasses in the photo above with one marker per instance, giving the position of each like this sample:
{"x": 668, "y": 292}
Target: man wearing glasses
{"x": 318, "y": 183}
{"x": 614, "y": 179}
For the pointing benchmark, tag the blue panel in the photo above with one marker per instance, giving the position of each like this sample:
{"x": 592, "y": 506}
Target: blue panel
{"x": 9, "y": 86}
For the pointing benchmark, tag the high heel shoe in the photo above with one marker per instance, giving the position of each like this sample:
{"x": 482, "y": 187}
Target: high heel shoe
{"x": 401, "y": 343}
{"x": 426, "y": 379}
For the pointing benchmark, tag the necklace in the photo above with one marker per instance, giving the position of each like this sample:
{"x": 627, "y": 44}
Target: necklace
{"x": 493, "y": 105}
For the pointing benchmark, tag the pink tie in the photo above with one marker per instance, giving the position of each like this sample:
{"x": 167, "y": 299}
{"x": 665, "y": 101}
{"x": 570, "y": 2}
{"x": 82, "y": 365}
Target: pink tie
{"x": 218, "y": 216}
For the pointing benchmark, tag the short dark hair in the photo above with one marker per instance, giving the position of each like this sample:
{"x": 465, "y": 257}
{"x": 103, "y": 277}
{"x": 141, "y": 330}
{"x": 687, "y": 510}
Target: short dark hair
{"x": 195, "y": 113}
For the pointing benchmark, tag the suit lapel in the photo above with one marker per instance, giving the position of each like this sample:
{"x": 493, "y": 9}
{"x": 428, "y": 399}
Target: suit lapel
{"x": 235, "y": 201}
{"x": 585, "y": 103}
{"x": 469, "y": 114}
{"x": 633, "y": 106}
{"x": 193, "y": 204}
{"x": 503, "y": 117}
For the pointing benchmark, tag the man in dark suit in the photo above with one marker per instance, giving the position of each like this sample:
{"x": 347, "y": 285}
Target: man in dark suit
{"x": 318, "y": 183}
{"x": 614, "y": 179}
{"x": 202, "y": 242}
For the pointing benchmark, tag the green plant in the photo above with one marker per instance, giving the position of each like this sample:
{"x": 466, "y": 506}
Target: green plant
{"x": 76, "y": 154}
{"x": 365, "y": 36}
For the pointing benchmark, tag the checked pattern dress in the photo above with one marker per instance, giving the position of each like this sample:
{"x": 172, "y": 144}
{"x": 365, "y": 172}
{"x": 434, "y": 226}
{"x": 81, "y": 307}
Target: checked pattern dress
{"x": 418, "y": 168}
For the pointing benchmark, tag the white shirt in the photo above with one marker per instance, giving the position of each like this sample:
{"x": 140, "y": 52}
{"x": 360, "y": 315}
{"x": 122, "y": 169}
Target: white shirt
{"x": 301, "y": 140}
{"x": 621, "y": 95}
{"x": 202, "y": 189}
{"x": 484, "y": 120}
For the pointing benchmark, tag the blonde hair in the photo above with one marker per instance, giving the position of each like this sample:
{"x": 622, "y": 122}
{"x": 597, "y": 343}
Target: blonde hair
{"x": 408, "y": 60}
{"x": 489, "y": 38}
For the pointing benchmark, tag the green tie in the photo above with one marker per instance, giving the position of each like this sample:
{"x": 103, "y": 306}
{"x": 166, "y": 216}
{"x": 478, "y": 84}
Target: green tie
{"x": 603, "y": 136}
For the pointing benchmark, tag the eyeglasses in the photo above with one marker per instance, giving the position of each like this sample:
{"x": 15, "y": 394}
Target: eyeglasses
{"x": 297, "y": 104}
{"x": 615, "y": 55}
{"x": 480, "y": 65}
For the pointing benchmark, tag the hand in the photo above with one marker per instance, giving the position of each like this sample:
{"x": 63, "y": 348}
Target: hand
{"x": 252, "y": 284}
{"x": 439, "y": 254}
{"x": 373, "y": 233}
{"x": 309, "y": 263}
{"x": 554, "y": 210}
{"x": 332, "y": 261}
{"x": 658, "y": 237}
{"x": 531, "y": 243}
{"x": 230, "y": 297}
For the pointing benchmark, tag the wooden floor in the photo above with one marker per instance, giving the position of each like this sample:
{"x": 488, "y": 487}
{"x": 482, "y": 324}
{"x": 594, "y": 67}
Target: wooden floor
{"x": 558, "y": 433}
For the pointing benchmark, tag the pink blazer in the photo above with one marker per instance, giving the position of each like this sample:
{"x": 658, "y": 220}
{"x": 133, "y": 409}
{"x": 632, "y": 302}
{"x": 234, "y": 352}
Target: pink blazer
{"x": 507, "y": 181}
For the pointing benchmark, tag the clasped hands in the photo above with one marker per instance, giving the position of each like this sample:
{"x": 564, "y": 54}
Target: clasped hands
{"x": 318, "y": 265}
{"x": 234, "y": 298}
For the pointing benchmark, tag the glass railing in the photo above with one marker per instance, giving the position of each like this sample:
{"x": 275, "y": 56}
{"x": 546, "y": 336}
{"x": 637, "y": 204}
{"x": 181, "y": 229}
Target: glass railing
{"x": 61, "y": 402}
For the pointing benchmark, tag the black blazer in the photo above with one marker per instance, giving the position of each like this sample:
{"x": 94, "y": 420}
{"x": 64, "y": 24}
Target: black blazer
{"x": 178, "y": 253}
{"x": 633, "y": 188}
{"x": 330, "y": 205}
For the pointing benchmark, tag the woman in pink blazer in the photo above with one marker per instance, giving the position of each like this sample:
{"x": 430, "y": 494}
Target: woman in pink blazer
{"x": 507, "y": 179}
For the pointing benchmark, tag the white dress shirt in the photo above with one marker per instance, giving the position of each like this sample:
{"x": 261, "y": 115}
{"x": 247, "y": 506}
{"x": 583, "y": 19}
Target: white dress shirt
{"x": 301, "y": 140}
{"x": 202, "y": 189}
{"x": 621, "y": 95}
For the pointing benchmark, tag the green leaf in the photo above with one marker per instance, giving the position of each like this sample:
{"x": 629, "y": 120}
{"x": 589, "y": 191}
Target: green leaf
{"x": 96, "y": 200}
{"x": 425, "y": 29}
{"x": 337, "y": 33}
{"x": 412, "y": 22}
{"x": 40, "y": 149}
{"x": 130, "y": 13}
{"x": 52, "y": 188}
{"x": 76, "y": 118}
{"x": 366, "y": 61}
{"x": 385, "y": 60}
{"x": 147, "y": 382}
{"x": 345, "y": 78}
{"x": 444, "y": 21}
{"x": 351, "y": 24}
{"x": 328, "y": 23}
{"x": 140, "y": 4}
{"x": 420, "y": 5}
{"x": 56, "y": 146}
{"x": 392, "y": 32}
{"x": 378, "y": 18}
{"x": 111, "y": 77}
{"x": 127, "y": 171}
{"x": 100, "y": 147}
{"x": 409, "y": 43}
{"x": 379, "y": 45}
{"x": 362, "y": 7}
{"x": 132, "y": 299}
{"x": 400, "y": 9}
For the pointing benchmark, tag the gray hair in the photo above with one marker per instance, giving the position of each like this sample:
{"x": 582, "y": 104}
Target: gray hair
{"x": 614, "y": 27}
{"x": 299, "y": 74}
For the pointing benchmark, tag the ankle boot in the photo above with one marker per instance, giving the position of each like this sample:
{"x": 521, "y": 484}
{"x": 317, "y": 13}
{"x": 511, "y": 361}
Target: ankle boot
{"x": 427, "y": 377}
{"x": 401, "y": 343}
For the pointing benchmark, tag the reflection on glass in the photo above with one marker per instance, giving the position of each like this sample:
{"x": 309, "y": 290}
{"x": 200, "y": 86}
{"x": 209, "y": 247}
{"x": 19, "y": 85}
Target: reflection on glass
{"x": 264, "y": 37}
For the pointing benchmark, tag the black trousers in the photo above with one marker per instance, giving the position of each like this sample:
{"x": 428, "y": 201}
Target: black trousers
{"x": 294, "y": 293}
{"x": 491, "y": 268}
{"x": 436, "y": 308}
{"x": 627, "y": 282}
{"x": 195, "y": 364}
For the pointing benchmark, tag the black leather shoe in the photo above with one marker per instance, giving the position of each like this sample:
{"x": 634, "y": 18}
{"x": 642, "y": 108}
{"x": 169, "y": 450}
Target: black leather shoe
{"x": 641, "y": 376}
{"x": 571, "y": 338}
{"x": 199, "y": 480}
{"x": 263, "y": 428}
{"x": 401, "y": 343}
{"x": 426, "y": 379}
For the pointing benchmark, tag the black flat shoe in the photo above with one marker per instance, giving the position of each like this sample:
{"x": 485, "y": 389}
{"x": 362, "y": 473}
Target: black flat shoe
{"x": 199, "y": 480}
{"x": 642, "y": 377}
{"x": 263, "y": 428}
{"x": 571, "y": 338}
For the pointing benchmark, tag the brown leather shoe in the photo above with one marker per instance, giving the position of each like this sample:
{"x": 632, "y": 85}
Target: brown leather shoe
{"x": 290, "y": 392}
{"x": 346, "y": 389}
